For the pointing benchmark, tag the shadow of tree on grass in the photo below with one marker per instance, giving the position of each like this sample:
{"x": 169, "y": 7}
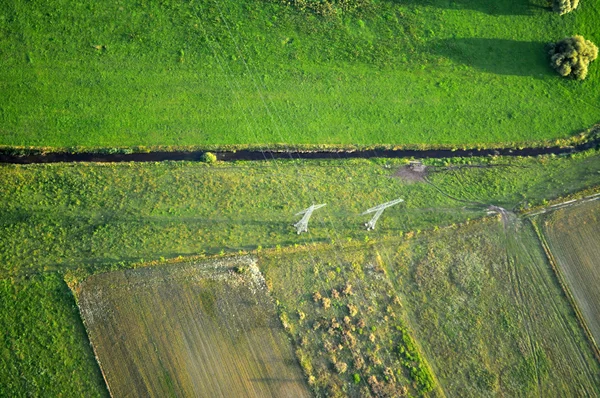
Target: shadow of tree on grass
{"x": 490, "y": 7}
{"x": 499, "y": 56}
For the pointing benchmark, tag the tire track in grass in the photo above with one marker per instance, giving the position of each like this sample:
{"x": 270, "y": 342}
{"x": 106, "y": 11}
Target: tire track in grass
{"x": 539, "y": 279}
{"x": 542, "y": 299}
{"x": 510, "y": 231}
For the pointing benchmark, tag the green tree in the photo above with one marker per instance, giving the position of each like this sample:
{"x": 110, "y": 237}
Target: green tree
{"x": 564, "y": 6}
{"x": 571, "y": 56}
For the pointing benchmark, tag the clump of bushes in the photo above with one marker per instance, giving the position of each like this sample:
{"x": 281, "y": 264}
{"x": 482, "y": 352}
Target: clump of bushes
{"x": 341, "y": 367}
{"x": 209, "y": 157}
{"x": 571, "y": 56}
{"x": 564, "y": 6}
{"x": 327, "y": 8}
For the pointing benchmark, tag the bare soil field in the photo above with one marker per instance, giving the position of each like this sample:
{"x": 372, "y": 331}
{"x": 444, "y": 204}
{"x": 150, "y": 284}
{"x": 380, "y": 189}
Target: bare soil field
{"x": 573, "y": 236}
{"x": 198, "y": 329}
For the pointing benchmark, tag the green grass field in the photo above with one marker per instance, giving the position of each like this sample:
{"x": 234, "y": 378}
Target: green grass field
{"x": 44, "y": 350}
{"x": 57, "y": 217}
{"x": 79, "y": 219}
{"x": 259, "y": 72}
{"x": 573, "y": 236}
{"x": 214, "y": 332}
{"x": 490, "y": 314}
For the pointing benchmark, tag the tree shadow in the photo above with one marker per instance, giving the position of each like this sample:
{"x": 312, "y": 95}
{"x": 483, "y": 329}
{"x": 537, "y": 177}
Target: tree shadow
{"x": 499, "y": 56}
{"x": 490, "y": 7}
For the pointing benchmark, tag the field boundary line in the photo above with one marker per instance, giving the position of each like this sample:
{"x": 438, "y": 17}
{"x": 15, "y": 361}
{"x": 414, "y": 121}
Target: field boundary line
{"x": 562, "y": 205}
{"x": 73, "y": 290}
{"x": 565, "y": 288}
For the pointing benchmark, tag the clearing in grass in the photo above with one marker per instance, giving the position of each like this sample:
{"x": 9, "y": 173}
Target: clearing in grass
{"x": 195, "y": 329}
{"x": 573, "y": 236}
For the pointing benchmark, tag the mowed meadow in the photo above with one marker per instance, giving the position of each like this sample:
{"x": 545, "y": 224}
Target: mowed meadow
{"x": 573, "y": 236}
{"x": 261, "y": 72}
{"x": 203, "y": 329}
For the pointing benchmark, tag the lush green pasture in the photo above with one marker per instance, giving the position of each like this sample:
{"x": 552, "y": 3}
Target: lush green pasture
{"x": 199, "y": 329}
{"x": 260, "y": 72}
{"x": 573, "y": 235}
{"x": 490, "y": 314}
{"x": 61, "y": 216}
{"x": 44, "y": 350}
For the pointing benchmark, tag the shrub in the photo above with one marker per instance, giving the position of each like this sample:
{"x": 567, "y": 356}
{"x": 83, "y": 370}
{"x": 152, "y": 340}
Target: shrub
{"x": 359, "y": 363}
{"x": 422, "y": 378}
{"x": 209, "y": 157}
{"x": 317, "y": 297}
{"x": 347, "y": 289}
{"x": 564, "y": 6}
{"x": 242, "y": 269}
{"x": 352, "y": 309}
{"x": 341, "y": 367}
{"x": 571, "y": 56}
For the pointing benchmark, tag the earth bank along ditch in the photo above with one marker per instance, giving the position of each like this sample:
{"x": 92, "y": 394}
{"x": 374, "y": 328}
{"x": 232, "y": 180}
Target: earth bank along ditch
{"x": 54, "y": 157}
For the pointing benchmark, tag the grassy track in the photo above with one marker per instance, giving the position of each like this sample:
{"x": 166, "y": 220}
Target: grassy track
{"x": 490, "y": 315}
{"x": 44, "y": 350}
{"x": 573, "y": 235}
{"x": 213, "y": 333}
{"x": 258, "y": 72}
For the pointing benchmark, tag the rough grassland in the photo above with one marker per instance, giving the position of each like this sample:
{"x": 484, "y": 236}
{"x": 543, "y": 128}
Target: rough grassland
{"x": 490, "y": 315}
{"x": 348, "y": 323}
{"x": 92, "y": 218}
{"x": 573, "y": 235}
{"x": 44, "y": 350}
{"x": 55, "y": 217}
{"x": 189, "y": 330}
{"x": 478, "y": 302}
{"x": 258, "y": 72}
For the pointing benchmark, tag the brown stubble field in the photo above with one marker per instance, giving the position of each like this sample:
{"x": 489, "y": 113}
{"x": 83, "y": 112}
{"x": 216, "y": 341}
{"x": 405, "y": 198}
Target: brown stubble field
{"x": 207, "y": 329}
{"x": 573, "y": 236}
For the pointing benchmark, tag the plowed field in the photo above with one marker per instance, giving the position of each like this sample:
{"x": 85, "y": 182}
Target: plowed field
{"x": 573, "y": 235}
{"x": 189, "y": 330}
